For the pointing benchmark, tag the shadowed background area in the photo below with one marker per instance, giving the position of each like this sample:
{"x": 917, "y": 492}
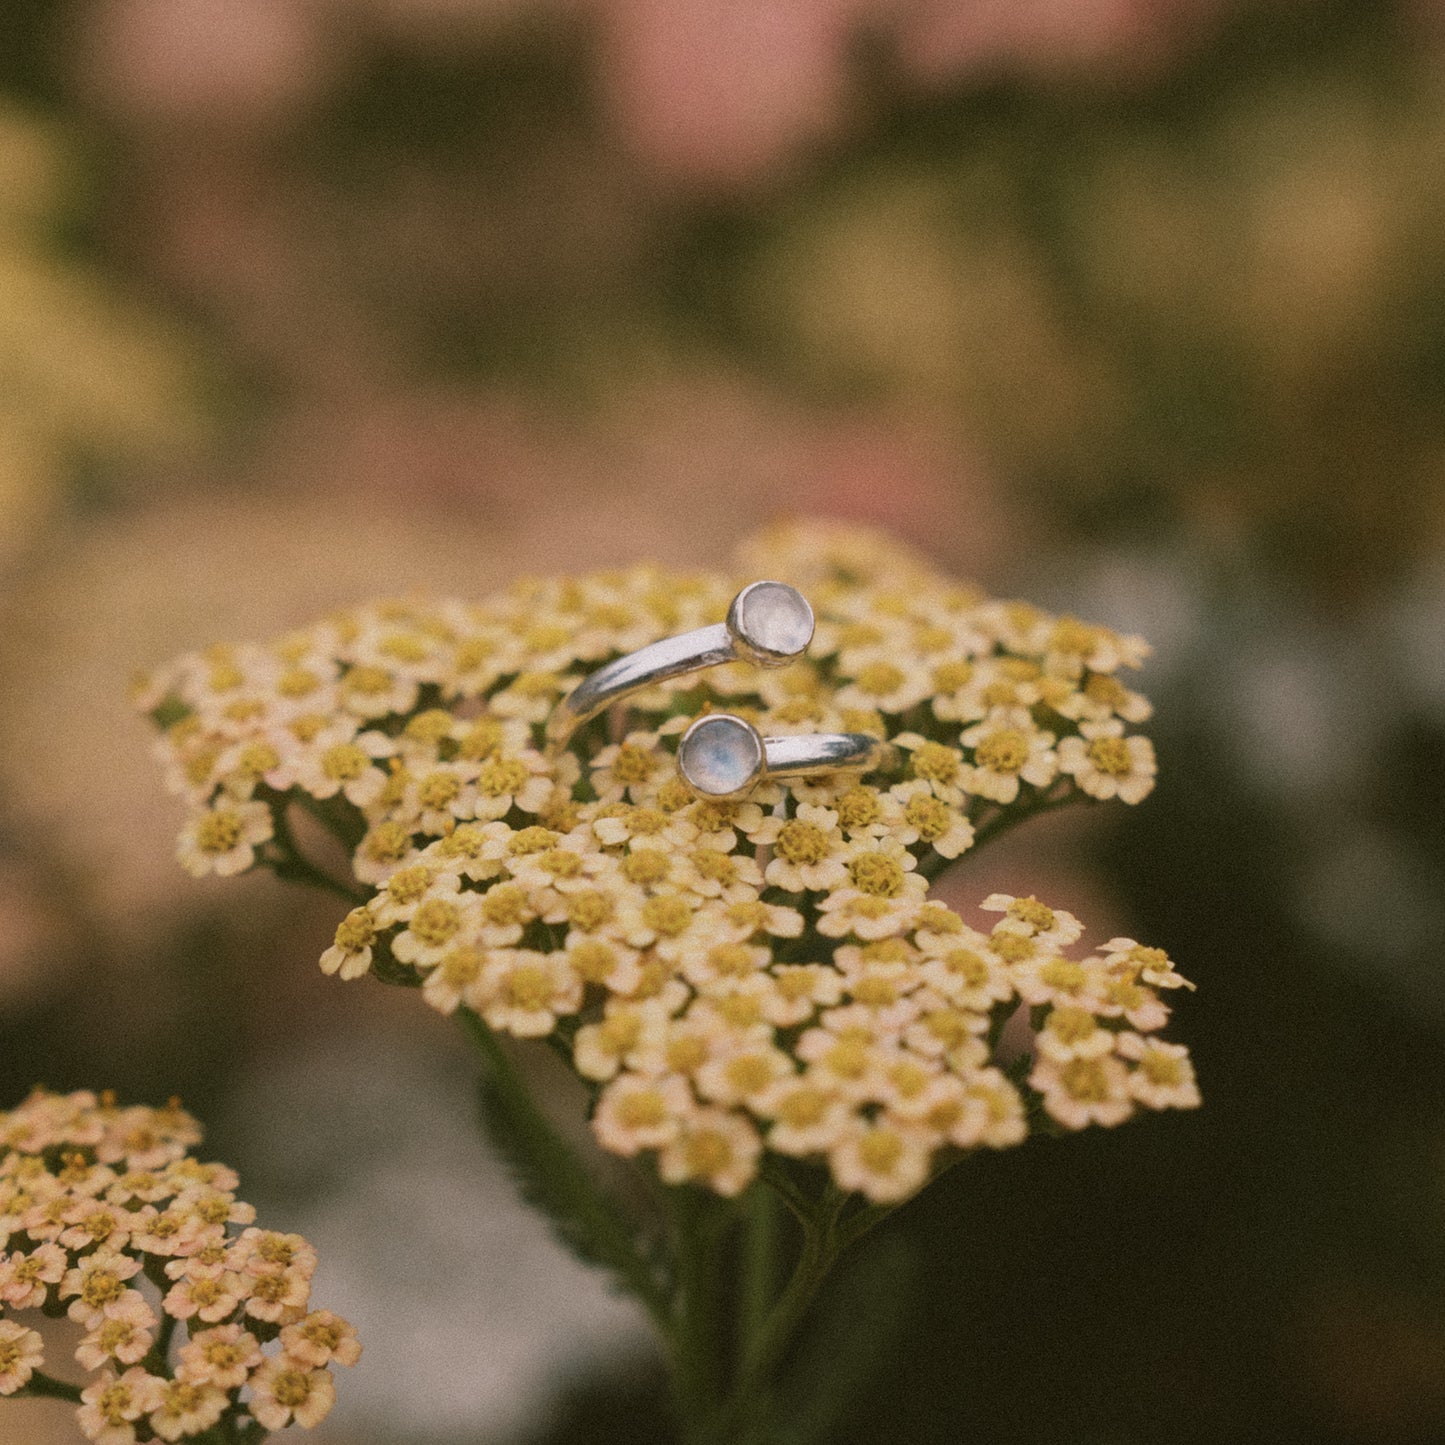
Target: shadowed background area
{"x": 1132, "y": 307}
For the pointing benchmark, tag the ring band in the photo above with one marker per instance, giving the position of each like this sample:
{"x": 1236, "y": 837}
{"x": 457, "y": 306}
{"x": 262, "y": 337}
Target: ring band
{"x": 769, "y": 624}
{"x": 724, "y": 756}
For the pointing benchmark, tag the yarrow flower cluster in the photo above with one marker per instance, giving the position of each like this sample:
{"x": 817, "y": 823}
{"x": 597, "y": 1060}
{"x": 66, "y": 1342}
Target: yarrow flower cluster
{"x": 106, "y": 1217}
{"x": 729, "y": 977}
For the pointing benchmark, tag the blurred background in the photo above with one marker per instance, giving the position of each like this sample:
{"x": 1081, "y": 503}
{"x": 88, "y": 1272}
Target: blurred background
{"x": 1132, "y": 307}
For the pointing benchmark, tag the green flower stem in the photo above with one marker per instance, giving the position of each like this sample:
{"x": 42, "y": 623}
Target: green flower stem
{"x": 762, "y": 1239}
{"x": 47, "y": 1387}
{"x": 160, "y": 1352}
{"x": 777, "y": 1332}
{"x": 698, "y": 1340}
{"x": 610, "y": 1238}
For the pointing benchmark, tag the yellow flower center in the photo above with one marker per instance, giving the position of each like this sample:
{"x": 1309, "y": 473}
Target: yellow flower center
{"x": 949, "y": 1026}
{"x": 732, "y": 960}
{"x": 1013, "y": 947}
{"x": 101, "y": 1287}
{"x": 1111, "y": 756}
{"x": 668, "y": 916}
{"x": 646, "y": 822}
{"x": 1038, "y": 916}
{"x": 343, "y": 762}
{"x": 297, "y": 682}
{"x": 741, "y": 1010}
{"x": 589, "y": 910}
{"x": 935, "y": 763}
{"x": 409, "y": 884}
{"x": 1106, "y": 691}
{"x": 968, "y": 965}
{"x": 930, "y": 816}
{"x": 386, "y": 843}
{"x": 530, "y": 840}
{"x": 880, "y": 1151}
{"x": 500, "y": 776}
{"x": 481, "y": 740}
{"x": 529, "y": 987}
{"x": 1085, "y": 1080}
{"x": 748, "y": 1073}
{"x": 1063, "y": 974}
{"x": 874, "y": 991}
{"x": 876, "y": 874}
{"x": 292, "y": 1389}
{"x": 633, "y": 764}
{"x": 708, "y": 1152}
{"x": 718, "y": 867}
{"x": 1004, "y": 750}
{"x": 367, "y": 681}
{"x": 646, "y": 866}
{"x": 219, "y": 832}
{"x": 619, "y": 1033}
{"x": 804, "y": 1107}
{"x": 1072, "y": 1025}
{"x": 686, "y": 1053}
{"x": 436, "y": 921}
{"x": 645, "y": 1109}
{"x": 439, "y": 790}
{"x": 858, "y": 808}
{"x": 880, "y": 678}
{"x": 592, "y": 961}
{"x": 801, "y": 844}
{"x": 256, "y": 759}
{"x": 1161, "y": 1068}
{"x": 460, "y": 967}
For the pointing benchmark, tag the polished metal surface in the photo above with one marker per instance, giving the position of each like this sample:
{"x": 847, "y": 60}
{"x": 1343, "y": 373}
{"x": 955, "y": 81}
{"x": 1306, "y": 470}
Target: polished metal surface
{"x": 769, "y": 624}
{"x": 724, "y": 756}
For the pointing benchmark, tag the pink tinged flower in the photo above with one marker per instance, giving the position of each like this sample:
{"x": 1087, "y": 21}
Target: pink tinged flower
{"x": 279, "y": 1296}
{"x": 713, "y": 1147}
{"x": 884, "y": 1161}
{"x": 24, "y": 1277}
{"x": 111, "y": 1405}
{"x": 211, "y": 1298}
{"x": 1106, "y": 764}
{"x": 285, "y": 1389}
{"x": 635, "y": 1113}
{"x": 526, "y": 992}
{"x": 266, "y": 1251}
{"x": 22, "y": 1352}
{"x": 99, "y": 1284}
{"x": 187, "y": 1408}
{"x": 125, "y": 1334}
{"x": 1079, "y": 1092}
{"x": 223, "y": 839}
{"x": 320, "y": 1339}
{"x": 222, "y": 1356}
{"x": 1162, "y": 1076}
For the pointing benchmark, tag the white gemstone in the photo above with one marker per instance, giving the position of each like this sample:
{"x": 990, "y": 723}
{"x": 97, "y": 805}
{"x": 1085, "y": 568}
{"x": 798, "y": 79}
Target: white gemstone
{"x": 720, "y": 755}
{"x": 775, "y": 618}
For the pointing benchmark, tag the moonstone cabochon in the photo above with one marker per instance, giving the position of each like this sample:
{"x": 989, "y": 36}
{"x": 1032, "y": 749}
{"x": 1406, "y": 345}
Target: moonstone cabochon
{"x": 772, "y": 621}
{"x": 720, "y": 755}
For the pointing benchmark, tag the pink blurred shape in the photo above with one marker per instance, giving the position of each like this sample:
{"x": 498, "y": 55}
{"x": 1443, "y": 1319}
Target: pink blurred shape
{"x": 943, "y": 40}
{"x": 718, "y": 91}
{"x": 238, "y": 62}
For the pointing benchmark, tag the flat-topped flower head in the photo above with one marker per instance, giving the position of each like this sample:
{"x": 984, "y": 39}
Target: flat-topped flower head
{"x": 729, "y": 975}
{"x": 153, "y": 1214}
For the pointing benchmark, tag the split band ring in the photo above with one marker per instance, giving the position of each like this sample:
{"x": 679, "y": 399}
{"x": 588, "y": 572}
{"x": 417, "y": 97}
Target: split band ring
{"x": 769, "y": 624}
{"x": 724, "y": 756}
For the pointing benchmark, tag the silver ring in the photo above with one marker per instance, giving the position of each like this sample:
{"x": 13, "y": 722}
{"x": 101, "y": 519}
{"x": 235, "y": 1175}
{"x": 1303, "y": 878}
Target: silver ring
{"x": 769, "y": 624}
{"x": 724, "y": 756}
